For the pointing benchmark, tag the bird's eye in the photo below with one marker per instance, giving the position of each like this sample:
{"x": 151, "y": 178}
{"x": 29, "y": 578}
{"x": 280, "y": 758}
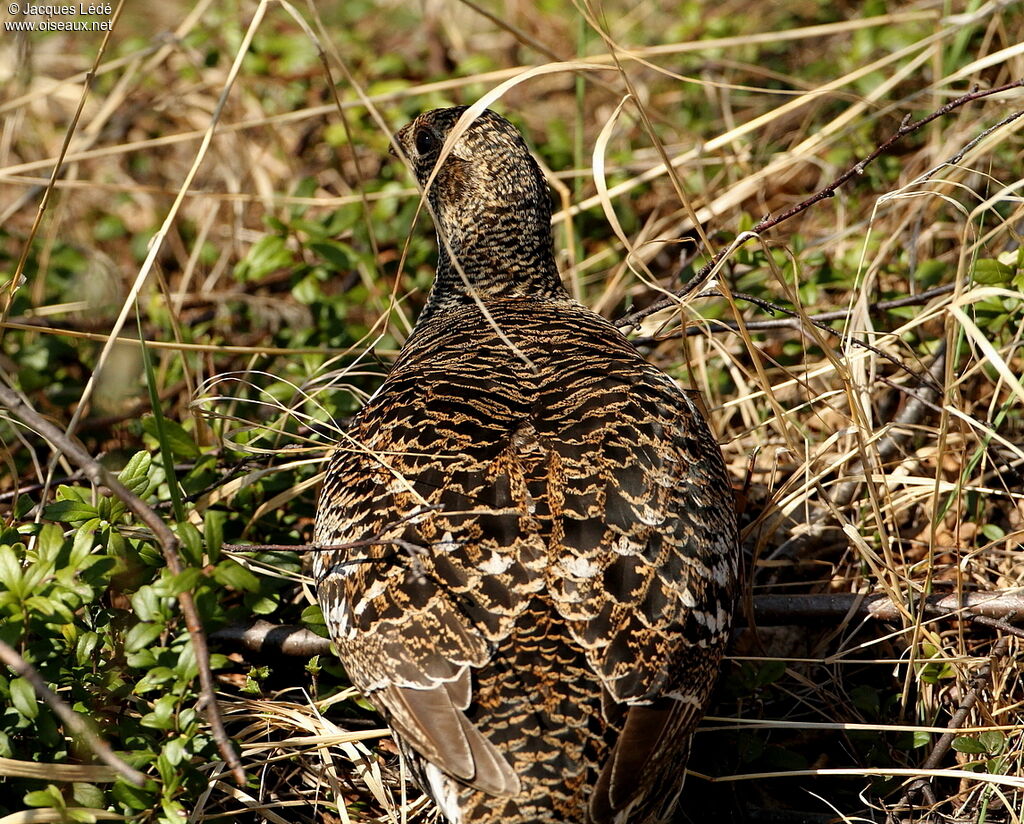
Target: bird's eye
{"x": 426, "y": 141}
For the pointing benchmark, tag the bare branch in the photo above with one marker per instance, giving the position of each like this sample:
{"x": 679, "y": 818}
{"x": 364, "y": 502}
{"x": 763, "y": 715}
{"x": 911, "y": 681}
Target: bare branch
{"x": 988, "y": 608}
{"x": 804, "y": 609}
{"x": 262, "y": 636}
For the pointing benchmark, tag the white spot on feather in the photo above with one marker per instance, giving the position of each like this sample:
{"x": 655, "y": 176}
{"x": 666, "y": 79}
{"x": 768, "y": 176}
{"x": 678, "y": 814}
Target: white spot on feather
{"x": 337, "y": 618}
{"x": 650, "y": 517}
{"x": 625, "y": 546}
{"x": 577, "y": 567}
{"x": 375, "y": 590}
{"x": 447, "y": 543}
{"x": 496, "y": 564}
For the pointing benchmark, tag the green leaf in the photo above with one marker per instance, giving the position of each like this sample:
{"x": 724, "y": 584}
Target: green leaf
{"x": 142, "y": 635}
{"x": 146, "y": 604}
{"x": 150, "y": 681}
{"x": 930, "y": 272}
{"x": 50, "y": 797}
{"x": 934, "y": 672}
{"x": 191, "y": 545}
{"x": 174, "y": 751}
{"x": 920, "y": 739}
{"x": 186, "y": 668}
{"x": 174, "y": 435}
{"x": 968, "y": 744}
{"x": 993, "y": 741}
{"x": 219, "y": 661}
{"x": 135, "y": 798}
{"x": 51, "y": 608}
{"x": 313, "y": 615}
{"x": 33, "y": 575}
{"x": 266, "y": 256}
{"x": 338, "y": 255}
{"x": 263, "y": 606}
{"x": 162, "y": 716}
{"x": 143, "y": 659}
{"x": 81, "y": 547}
{"x": 23, "y": 697}
{"x": 135, "y": 474}
{"x": 12, "y": 627}
{"x": 232, "y": 574}
{"x": 173, "y": 811}
{"x": 213, "y": 532}
{"x": 74, "y": 493}
{"x": 993, "y": 532}
{"x": 769, "y": 672}
{"x": 307, "y": 290}
{"x": 87, "y": 795}
{"x": 50, "y": 541}
{"x": 187, "y": 579}
{"x": 86, "y": 646}
{"x": 991, "y": 271}
{"x": 10, "y": 569}
{"x": 69, "y": 511}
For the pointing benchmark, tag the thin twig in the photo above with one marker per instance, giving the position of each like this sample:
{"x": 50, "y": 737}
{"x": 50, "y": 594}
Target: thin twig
{"x": 101, "y": 476}
{"x": 72, "y": 720}
{"x": 795, "y": 321}
{"x": 633, "y": 319}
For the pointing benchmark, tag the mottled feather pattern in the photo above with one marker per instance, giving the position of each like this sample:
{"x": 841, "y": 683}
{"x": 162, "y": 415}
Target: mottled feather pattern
{"x": 541, "y": 606}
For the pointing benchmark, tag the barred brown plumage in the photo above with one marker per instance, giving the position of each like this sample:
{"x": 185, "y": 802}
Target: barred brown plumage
{"x": 541, "y": 618}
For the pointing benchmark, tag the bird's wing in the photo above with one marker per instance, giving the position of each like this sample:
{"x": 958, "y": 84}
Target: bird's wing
{"x": 644, "y": 567}
{"x": 454, "y": 550}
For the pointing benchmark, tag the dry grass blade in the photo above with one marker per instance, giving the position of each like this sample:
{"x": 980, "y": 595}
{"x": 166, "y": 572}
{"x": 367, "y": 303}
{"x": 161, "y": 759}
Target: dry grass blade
{"x": 229, "y": 180}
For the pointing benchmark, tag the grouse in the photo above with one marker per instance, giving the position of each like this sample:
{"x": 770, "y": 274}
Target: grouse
{"x": 535, "y": 546}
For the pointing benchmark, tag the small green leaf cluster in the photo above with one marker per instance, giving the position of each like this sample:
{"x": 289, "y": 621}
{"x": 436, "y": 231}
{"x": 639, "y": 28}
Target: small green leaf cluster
{"x": 86, "y": 599}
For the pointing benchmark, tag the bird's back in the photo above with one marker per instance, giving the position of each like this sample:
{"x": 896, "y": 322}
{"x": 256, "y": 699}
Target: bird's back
{"x": 542, "y": 564}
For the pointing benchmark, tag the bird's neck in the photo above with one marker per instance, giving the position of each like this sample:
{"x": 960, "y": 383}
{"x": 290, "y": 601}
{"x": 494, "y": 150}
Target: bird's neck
{"x": 490, "y": 261}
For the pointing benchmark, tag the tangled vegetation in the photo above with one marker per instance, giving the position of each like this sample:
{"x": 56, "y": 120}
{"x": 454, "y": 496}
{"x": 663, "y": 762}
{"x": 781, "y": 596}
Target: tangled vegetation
{"x": 208, "y": 258}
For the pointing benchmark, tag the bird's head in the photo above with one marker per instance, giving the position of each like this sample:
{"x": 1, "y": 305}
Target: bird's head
{"x": 488, "y": 189}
